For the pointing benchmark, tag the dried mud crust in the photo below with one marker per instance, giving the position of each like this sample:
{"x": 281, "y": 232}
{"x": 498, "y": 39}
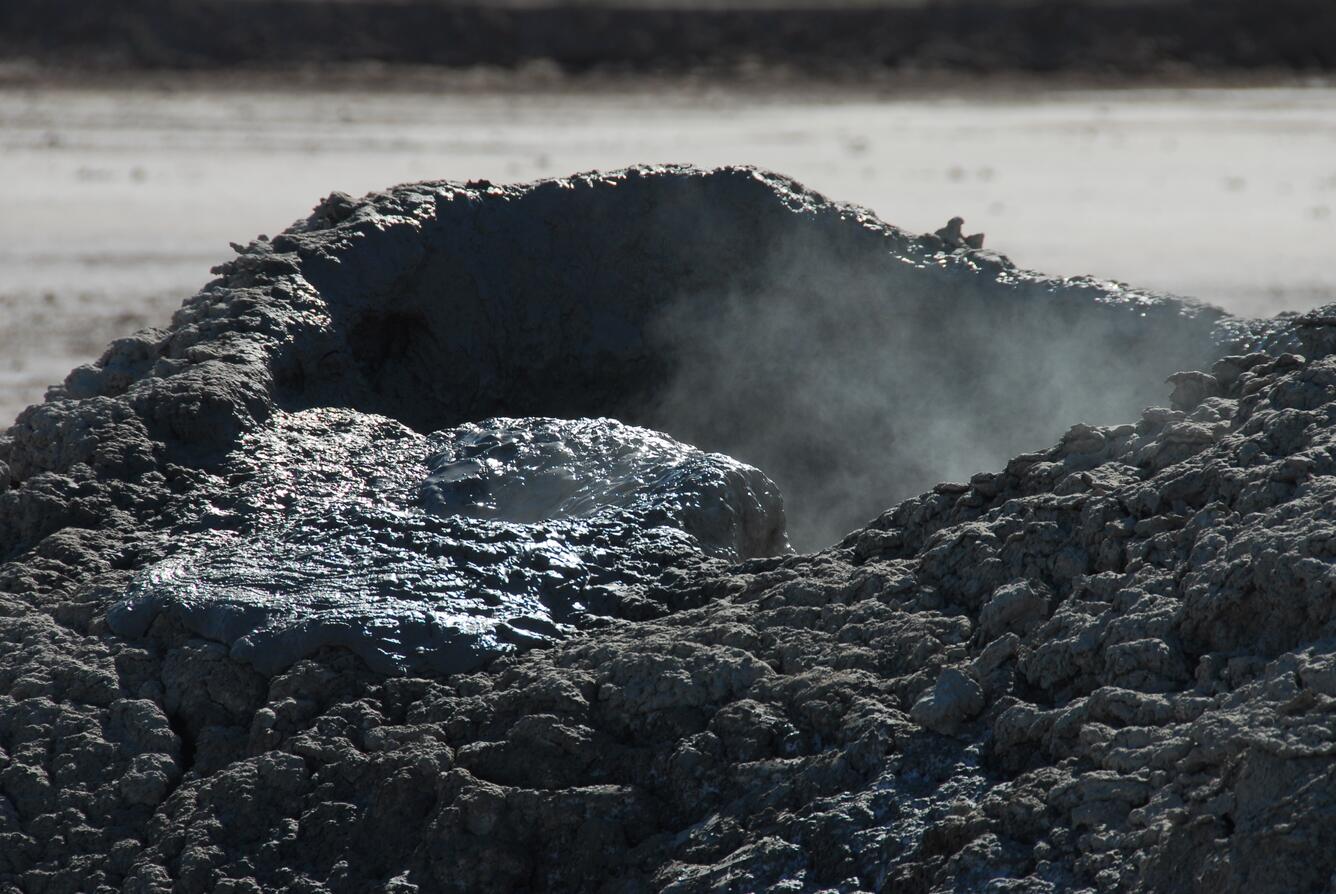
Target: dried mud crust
{"x": 1109, "y": 665}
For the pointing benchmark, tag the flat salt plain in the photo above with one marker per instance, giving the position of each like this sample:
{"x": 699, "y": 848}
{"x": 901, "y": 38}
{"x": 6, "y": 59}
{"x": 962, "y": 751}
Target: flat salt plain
{"x": 116, "y": 200}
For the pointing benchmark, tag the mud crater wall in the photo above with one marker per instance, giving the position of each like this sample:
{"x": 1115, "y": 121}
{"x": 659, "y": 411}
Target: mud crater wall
{"x": 854, "y": 363}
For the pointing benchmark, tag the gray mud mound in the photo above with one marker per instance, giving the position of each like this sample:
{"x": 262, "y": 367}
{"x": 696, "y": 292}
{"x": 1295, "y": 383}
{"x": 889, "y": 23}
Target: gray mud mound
{"x": 440, "y": 553}
{"x": 736, "y": 311}
{"x": 1103, "y": 665}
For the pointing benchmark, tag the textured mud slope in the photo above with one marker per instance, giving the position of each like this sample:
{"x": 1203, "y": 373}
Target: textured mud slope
{"x": 1107, "y": 665}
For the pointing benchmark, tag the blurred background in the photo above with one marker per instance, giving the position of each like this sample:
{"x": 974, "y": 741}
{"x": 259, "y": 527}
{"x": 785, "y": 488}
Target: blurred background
{"x": 1182, "y": 145}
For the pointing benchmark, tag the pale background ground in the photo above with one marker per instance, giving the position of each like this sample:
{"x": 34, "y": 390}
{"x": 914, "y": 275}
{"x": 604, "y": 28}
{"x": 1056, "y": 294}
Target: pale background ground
{"x": 115, "y": 201}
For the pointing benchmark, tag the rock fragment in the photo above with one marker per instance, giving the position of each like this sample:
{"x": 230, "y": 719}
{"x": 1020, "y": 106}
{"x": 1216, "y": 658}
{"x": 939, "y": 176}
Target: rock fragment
{"x": 953, "y": 700}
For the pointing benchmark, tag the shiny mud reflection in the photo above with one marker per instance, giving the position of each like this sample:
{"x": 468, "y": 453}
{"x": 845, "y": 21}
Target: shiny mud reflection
{"x": 442, "y": 551}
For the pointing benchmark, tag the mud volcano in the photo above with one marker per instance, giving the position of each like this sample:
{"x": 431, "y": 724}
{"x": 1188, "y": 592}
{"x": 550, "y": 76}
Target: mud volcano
{"x": 359, "y": 576}
{"x": 853, "y": 363}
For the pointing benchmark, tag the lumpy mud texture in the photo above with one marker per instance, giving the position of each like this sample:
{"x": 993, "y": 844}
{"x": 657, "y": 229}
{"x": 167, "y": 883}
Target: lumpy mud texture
{"x": 441, "y": 553}
{"x": 1104, "y": 665}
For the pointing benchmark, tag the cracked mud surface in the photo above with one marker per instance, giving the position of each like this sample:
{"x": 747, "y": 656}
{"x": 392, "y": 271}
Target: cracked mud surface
{"x": 1105, "y": 665}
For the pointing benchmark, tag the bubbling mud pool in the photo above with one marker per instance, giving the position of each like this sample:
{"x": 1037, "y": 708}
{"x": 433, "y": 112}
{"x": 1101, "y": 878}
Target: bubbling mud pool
{"x": 441, "y": 552}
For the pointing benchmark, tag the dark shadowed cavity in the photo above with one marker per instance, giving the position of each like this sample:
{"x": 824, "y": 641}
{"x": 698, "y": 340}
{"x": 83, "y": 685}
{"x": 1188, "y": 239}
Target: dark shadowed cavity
{"x": 738, "y": 313}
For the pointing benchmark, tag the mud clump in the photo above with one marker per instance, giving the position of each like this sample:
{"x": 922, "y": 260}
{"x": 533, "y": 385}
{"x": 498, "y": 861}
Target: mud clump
{"x": 1105, "y": 665}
